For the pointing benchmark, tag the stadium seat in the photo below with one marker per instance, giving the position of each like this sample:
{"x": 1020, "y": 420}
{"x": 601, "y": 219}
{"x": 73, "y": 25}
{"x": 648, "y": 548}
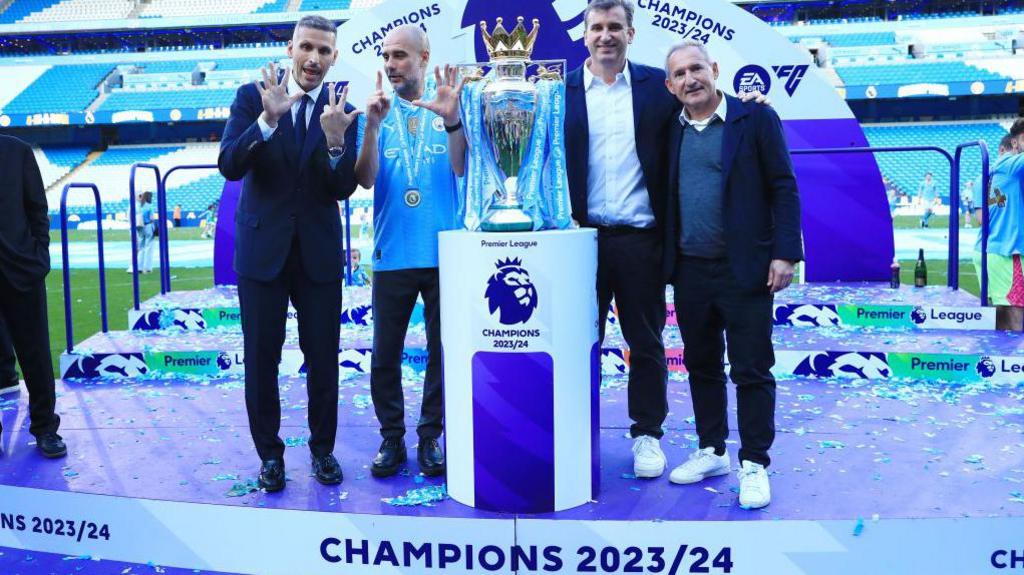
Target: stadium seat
{"x": 60, "y": 89}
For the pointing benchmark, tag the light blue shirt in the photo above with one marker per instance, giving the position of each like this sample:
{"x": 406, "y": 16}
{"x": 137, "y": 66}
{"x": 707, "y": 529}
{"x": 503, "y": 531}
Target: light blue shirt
{"x": 1005, "y": 212}
{"x": 927, "y": 192}
{"x": 406, "y": 222}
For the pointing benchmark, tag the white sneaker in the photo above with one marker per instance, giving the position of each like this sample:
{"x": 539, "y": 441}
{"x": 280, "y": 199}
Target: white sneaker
{"x": 703, "y": 463}
{"x": 648, "y": 458}
{"x": 754, "y": 490}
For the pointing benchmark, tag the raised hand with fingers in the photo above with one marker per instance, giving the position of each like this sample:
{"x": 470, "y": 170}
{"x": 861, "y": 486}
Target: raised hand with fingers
{"x": 446, "y": 100}
{"x": 276, "y": 100}
{"x": 378, "y": 106}
{"x": 335, "y": 120}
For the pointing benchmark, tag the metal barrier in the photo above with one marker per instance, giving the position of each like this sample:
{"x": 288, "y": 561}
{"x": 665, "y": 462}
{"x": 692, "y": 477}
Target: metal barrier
{"x": 161, "y": 209}
{"x": 953, "y": 265}
{"x": 131, "y": 226}
{"x": 954, "y": 235}
{"x": 68, "y": 320}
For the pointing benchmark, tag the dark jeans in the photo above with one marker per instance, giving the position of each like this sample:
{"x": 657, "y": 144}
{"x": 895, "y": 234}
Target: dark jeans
{"x": 629, "y": 269}
{"x": 708, "y": 303}
{"x": 394, "y": 297}
{"x": 264, "y": 307}
{"x": 25, "y": 317}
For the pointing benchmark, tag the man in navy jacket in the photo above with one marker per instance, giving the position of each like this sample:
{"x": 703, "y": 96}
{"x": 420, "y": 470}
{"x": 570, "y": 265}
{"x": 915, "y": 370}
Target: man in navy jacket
{"x": 291, "y": 139}
{"x": 616, "y": 111}
{"x": 733, "y": 230}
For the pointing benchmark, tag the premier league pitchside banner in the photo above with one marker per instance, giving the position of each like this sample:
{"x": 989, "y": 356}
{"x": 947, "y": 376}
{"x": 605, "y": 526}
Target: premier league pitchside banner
{"x": 751, "y": 56}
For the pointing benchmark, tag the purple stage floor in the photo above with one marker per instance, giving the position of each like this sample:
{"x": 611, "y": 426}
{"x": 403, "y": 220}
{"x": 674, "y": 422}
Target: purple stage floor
{"x": 844, "y": 450}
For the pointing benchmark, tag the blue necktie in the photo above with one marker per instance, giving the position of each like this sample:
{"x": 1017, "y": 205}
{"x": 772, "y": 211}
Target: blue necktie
{"x": 300, "y": 123}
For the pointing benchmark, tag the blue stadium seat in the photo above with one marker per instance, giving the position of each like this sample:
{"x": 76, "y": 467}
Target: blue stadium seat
{"x": 907, "y": 169}
{"x": 61, "y": 89}
{"x": 22, "y": 8}
{"x": 65, "y": 156}
{"x": 196, "y": 196}
{"x": 167, "y": 99}
{"x": 325, "y": 5}
{"x": 914, "y": 73}
{"x": 129, "y": 156}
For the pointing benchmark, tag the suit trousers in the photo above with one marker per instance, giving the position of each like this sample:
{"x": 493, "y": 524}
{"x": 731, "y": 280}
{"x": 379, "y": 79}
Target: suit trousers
{"x": 264, "y": 307}
{"x": 629, "y": 269}
{"x": 25, "y": 316}
{"x": 394, "y": 297}
{"x": 709, "y": 302}
{"x": 8, "y": 371}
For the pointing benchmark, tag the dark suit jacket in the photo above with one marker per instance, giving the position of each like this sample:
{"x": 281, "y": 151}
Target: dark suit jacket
{"x": 24, "y": 225}
{"x": 762, "y": 205}
{"x": 285, "y": 191}
{"x": 652, "y": 106}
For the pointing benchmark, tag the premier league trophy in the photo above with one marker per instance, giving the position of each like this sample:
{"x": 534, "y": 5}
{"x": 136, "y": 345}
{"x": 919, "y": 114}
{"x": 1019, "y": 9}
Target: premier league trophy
{"x": 518, "y": 310}
{"x": 517, "y": 166}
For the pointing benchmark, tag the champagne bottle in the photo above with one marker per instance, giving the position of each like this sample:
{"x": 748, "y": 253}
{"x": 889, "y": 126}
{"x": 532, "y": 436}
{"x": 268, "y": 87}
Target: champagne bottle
{"x": 920, "y": 270}
{"x": 894, "y": 275}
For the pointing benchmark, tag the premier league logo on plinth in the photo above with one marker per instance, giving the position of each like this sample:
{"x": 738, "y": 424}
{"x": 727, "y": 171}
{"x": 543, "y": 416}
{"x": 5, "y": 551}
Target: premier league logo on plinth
{"x": 986, "y": 368}
{"x": 511, "y": 293}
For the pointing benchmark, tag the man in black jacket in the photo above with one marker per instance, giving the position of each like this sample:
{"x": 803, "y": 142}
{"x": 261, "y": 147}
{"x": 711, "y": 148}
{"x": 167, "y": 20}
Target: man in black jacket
{"x": 733, "y": 228}
{"x": 24, "y": 263}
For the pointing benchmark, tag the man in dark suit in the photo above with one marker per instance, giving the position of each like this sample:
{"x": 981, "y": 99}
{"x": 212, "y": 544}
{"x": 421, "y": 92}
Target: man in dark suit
{"x": 733, "y": 234}
{"x": 290, "y": 140}
{"x": 24, "y": 263}
{"x": 616, "y": 111}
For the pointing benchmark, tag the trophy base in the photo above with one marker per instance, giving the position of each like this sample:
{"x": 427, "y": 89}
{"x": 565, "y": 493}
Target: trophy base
{"x": 502, "y": 219}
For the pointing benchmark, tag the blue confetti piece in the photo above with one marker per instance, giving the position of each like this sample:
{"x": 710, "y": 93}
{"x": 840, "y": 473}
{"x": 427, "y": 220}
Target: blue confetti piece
{"x": 421, "y": 496}
{"x": 858, "y": 528}
{"x": 829, "y": 444}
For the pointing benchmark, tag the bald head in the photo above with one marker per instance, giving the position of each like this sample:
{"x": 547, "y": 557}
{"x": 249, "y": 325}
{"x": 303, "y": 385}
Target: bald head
{"x": 410, "y": 35}
{"x": 406, "y": 53}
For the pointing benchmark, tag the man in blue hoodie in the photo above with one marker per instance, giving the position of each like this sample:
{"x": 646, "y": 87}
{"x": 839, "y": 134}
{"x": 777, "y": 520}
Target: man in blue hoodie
{"x": 1006, "y": 235}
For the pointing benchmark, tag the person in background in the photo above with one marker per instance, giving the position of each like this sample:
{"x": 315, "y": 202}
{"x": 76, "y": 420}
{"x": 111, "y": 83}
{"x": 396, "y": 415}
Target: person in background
{"x": 927, "y": 196}
{"x": 359, "y": 276}
{"x": 967, "y": 202}
{"x": 177, "y": 216}
{"x": 146, "y": 232}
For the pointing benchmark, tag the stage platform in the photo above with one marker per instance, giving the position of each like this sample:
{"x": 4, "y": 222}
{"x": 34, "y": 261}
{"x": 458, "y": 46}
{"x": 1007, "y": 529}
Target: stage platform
{"x": 800, "y": 305}
{"x": 867, "y": 476}
{"x": 859, "y": 331}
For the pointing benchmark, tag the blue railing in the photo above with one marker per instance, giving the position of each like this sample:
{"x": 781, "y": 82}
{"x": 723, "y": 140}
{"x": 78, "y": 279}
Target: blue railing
{"x": 68, "y": 320}
{"x": 954, "y": 212}
{"x": 953, "y": 265}
{"x": 131, "y": 226}
{"x": 161, "y": 207}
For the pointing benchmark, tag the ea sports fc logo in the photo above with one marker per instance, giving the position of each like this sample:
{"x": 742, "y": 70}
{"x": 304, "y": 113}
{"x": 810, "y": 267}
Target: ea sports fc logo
{"x": 752, "y": 78}
{"x": 510, "y": 292}
{"x": 986, "y": 367}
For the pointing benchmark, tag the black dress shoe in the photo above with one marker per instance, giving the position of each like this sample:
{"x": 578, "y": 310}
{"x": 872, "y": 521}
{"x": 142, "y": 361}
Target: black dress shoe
{"x": 326, "y": 469}
{"x": 272, "y": 475}
{"x": 9, "y": 384}
{"x": 430, "y": 457}
{"x": 51, "y": 445}
{"x": 390, "y": 457}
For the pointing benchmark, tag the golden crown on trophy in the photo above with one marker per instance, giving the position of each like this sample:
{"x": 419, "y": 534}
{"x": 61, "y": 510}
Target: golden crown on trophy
{"x": 503, "y": 45}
